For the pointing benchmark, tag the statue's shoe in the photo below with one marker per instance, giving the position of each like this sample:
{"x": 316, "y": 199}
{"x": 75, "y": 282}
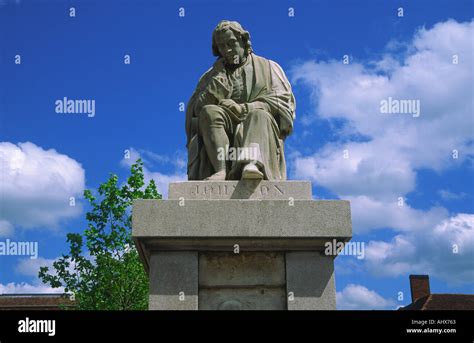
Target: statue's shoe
{"x": 219, "y": 176}
{"x": 251, "y": 172}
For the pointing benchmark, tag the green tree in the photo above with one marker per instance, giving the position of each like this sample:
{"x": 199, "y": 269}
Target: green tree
{"x": 108, "y": 275}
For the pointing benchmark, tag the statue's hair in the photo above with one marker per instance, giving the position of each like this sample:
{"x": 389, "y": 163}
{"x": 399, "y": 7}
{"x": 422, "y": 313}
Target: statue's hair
{"x": 238, "y": 30}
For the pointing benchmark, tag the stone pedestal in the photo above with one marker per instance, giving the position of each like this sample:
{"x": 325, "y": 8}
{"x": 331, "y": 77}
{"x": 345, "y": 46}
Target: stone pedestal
{"x": 240, "y": 245}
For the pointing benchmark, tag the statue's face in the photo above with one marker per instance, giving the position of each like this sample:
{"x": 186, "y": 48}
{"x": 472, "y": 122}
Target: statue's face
{"x": 230, "y": 47}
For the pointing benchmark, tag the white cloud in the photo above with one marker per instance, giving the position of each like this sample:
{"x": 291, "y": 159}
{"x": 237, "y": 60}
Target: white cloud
{"x": 369, "y": 214}
{"x": 178, "y": 160}
{"x": 36, "y": 186}
{"x": 446, "y": 252}
{"x": 15, "y": 288}
{"x": 367, "y": 171}
{"x": 162, "y": 180}
{"x": 384, "y": 166}
{"x": 448, "y": 195}
{"x": 353, "y": 92}
{"x": 358, "y": 297}
{"x": 6, "y": 228}
{"x": 31, "y": 267}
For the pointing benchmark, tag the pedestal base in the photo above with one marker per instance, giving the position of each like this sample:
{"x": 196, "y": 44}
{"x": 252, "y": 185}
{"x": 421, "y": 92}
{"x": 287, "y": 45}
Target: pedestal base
{"x": 247, "y": 245}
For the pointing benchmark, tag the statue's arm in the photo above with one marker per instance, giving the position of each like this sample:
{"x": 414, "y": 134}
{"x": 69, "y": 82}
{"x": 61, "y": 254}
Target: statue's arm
{"x": 212, "y": 87}
{"x": 194, "y": 104}
{"x": 216, "y": 89}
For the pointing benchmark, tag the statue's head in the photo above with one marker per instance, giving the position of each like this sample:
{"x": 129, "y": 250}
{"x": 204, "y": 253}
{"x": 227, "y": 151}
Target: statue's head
{"x": 231, "y": 41}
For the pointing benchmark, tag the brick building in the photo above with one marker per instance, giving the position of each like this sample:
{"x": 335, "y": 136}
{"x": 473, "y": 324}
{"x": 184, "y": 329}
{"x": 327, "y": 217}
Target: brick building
{"x": 36, "y": 302}
{"x": 422, "y": 299}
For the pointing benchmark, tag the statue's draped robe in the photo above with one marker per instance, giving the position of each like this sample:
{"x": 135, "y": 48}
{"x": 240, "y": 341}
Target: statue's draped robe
{"x": 267, "y": 91}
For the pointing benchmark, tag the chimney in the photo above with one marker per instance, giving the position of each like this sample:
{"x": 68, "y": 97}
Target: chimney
{"x": 419, "y": 286}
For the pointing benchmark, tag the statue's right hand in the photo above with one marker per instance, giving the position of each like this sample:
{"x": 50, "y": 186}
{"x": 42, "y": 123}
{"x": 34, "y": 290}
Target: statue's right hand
{"x": 237, "y": 110}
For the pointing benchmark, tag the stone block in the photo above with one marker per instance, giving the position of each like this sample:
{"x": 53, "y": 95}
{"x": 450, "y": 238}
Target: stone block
{"x": 173, "y": 281}
{"x": 243, "y": 269}
{"x": 258, "y": 298}
{"x": 310, "y": 279}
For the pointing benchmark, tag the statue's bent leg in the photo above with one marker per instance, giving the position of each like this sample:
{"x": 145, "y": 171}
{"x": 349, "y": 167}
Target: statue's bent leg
{"x": 260, "y": 129}
{"x": 214, "y": 123}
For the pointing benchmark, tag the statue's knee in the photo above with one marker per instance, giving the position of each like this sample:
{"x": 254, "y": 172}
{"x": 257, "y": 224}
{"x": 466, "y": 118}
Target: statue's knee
{"x": 208, "y": 113}
{"x": 257, "y": 114}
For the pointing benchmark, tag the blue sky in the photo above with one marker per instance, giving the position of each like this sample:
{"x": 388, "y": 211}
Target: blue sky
{"x": 137, "y": 108}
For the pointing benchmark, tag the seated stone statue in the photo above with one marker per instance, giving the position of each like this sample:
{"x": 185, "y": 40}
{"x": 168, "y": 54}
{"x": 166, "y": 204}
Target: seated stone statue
{"x": 243, "y": 102}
